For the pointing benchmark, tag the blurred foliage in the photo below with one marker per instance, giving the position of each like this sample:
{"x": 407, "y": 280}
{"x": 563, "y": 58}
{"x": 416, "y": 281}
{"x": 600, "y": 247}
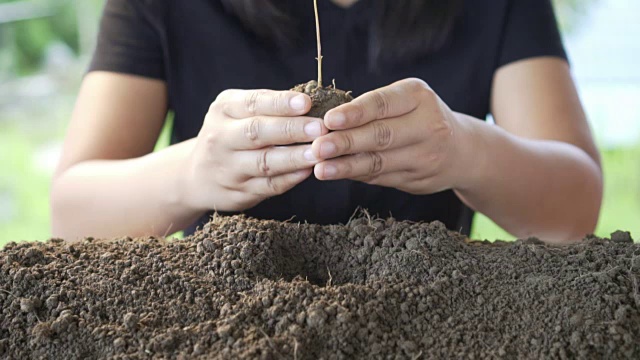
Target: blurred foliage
{"x": 569, "y": 13}
{"x": 28, "y": 40}
{"x": 23, "y": 188}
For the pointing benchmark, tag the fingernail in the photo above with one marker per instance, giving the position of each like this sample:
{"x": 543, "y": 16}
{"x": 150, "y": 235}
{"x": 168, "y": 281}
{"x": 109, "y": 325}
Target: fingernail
{"x": 330, "y": 171}
{"x": 298, "y": 102}
{"x": 313, "y": 129}
{"x": 308, "y": 155}
{"x": 337, "y": 120}
{"x": 327, "y": 150}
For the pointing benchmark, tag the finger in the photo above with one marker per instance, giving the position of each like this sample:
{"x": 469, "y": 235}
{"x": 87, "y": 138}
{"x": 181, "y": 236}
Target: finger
{"x": 408, "y": 182}
{"x": 276, "y": 185}
{"x": 259, "y": 132}
{"x": 362, "y": 166}
{"x": 379, "y": 135}
{"x": 401, "y": 180}
{"x": 240, "y": 104}
{"x": 275, "y": 161}
{"x": 391, "y": 101}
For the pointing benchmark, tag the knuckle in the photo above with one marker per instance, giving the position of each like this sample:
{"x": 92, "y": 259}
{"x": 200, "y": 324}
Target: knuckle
{"x": 430, "y": 94}
{"x": 383, "y": 134}
{"x": 280, "y": 102}
{"x": 289, "y": 129}
{"x": 358, "y": 113}
{"x": 225, "y": 107}
{"x": 225, "y": 94}
{"x": 376, "y": 164}
{"x": 273, "y": 186}
{"x": 262, "y": 163}
{"x": 218, "y": 106}
{"x": 293, "y": 160}
{"x": 419, "y": 87}
{"x": 221, "y": 103}
{"x": 383, "y": 105}
{"x": 417, "y": 84}
{"x": 349, "y": 142}
{"x": 251, "y": 101}
{"x": 252, "y": 129}
{"x": 215, "y": 106}
{"x": 347, "y": 169}
{"x": 212, "y": 133}
{"x": 212, "y": 139}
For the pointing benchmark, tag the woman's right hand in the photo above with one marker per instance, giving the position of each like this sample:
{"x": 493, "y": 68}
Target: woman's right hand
{"x": 239, "y": 159}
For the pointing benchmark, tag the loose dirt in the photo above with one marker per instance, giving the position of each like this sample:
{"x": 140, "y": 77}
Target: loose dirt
{"x": 243, "y": 288}
{"x": 323, "y": 98}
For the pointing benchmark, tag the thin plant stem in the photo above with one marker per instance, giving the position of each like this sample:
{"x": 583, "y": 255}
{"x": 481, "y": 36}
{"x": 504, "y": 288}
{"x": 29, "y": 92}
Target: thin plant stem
{"x": 315, "y": 6}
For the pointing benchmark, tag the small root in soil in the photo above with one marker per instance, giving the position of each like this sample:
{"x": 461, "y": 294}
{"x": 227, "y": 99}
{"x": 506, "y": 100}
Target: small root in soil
{"x": 323, "y": 99}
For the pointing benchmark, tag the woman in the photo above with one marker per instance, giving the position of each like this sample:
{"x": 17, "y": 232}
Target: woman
{"x": 412, "y": 145}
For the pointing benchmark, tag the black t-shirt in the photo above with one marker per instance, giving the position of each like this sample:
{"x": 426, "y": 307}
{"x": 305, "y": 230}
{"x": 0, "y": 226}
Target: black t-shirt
{"x": 200, "y": 50}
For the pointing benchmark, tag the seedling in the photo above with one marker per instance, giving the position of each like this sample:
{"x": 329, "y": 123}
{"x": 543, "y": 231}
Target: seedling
{"x": 323, "y": 98}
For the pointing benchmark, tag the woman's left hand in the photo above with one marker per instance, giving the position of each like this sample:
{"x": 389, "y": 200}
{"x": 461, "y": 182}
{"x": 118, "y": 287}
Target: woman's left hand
{"x": 401, "y": 136}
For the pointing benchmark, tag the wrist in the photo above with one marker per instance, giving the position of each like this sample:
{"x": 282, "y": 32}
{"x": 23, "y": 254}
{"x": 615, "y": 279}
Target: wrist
{"x": 178, "y": 190}
{"x": 473, "y": 138}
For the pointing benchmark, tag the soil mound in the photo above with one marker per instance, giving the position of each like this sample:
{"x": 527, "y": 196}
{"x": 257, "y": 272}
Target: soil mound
{"x": 242, "y": 288}
{"x": 323, "y": 99}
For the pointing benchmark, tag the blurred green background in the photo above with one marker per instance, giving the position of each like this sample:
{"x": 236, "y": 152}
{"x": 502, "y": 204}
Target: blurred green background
{"x": 45, "y": 46}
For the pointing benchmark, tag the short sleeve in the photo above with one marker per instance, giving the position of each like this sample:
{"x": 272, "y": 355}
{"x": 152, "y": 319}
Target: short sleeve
{"x": 129, "y": 40}
{"x": 530, "y": 30}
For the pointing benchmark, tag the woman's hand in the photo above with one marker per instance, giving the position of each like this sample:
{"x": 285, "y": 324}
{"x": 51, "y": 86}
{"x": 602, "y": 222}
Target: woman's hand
{"x": 401, "y": 136}
{"x": 237, "y": 161}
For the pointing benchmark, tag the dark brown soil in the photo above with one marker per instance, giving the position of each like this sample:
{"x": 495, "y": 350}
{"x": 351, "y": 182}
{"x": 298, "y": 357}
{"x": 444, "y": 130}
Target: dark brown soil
{"x": 244, "y": 288}
{"x": 323, "y": 98}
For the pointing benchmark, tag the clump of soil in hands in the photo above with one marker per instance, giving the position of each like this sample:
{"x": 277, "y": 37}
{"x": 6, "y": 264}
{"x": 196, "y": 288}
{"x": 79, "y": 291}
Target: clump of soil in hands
{"x": 244, "y": 288}
{"x": 323, "y": 98}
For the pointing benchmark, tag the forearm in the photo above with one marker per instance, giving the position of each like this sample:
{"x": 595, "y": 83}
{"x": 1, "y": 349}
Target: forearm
{"x": 547, "y": 189}
{"x": 135, "y": 197}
